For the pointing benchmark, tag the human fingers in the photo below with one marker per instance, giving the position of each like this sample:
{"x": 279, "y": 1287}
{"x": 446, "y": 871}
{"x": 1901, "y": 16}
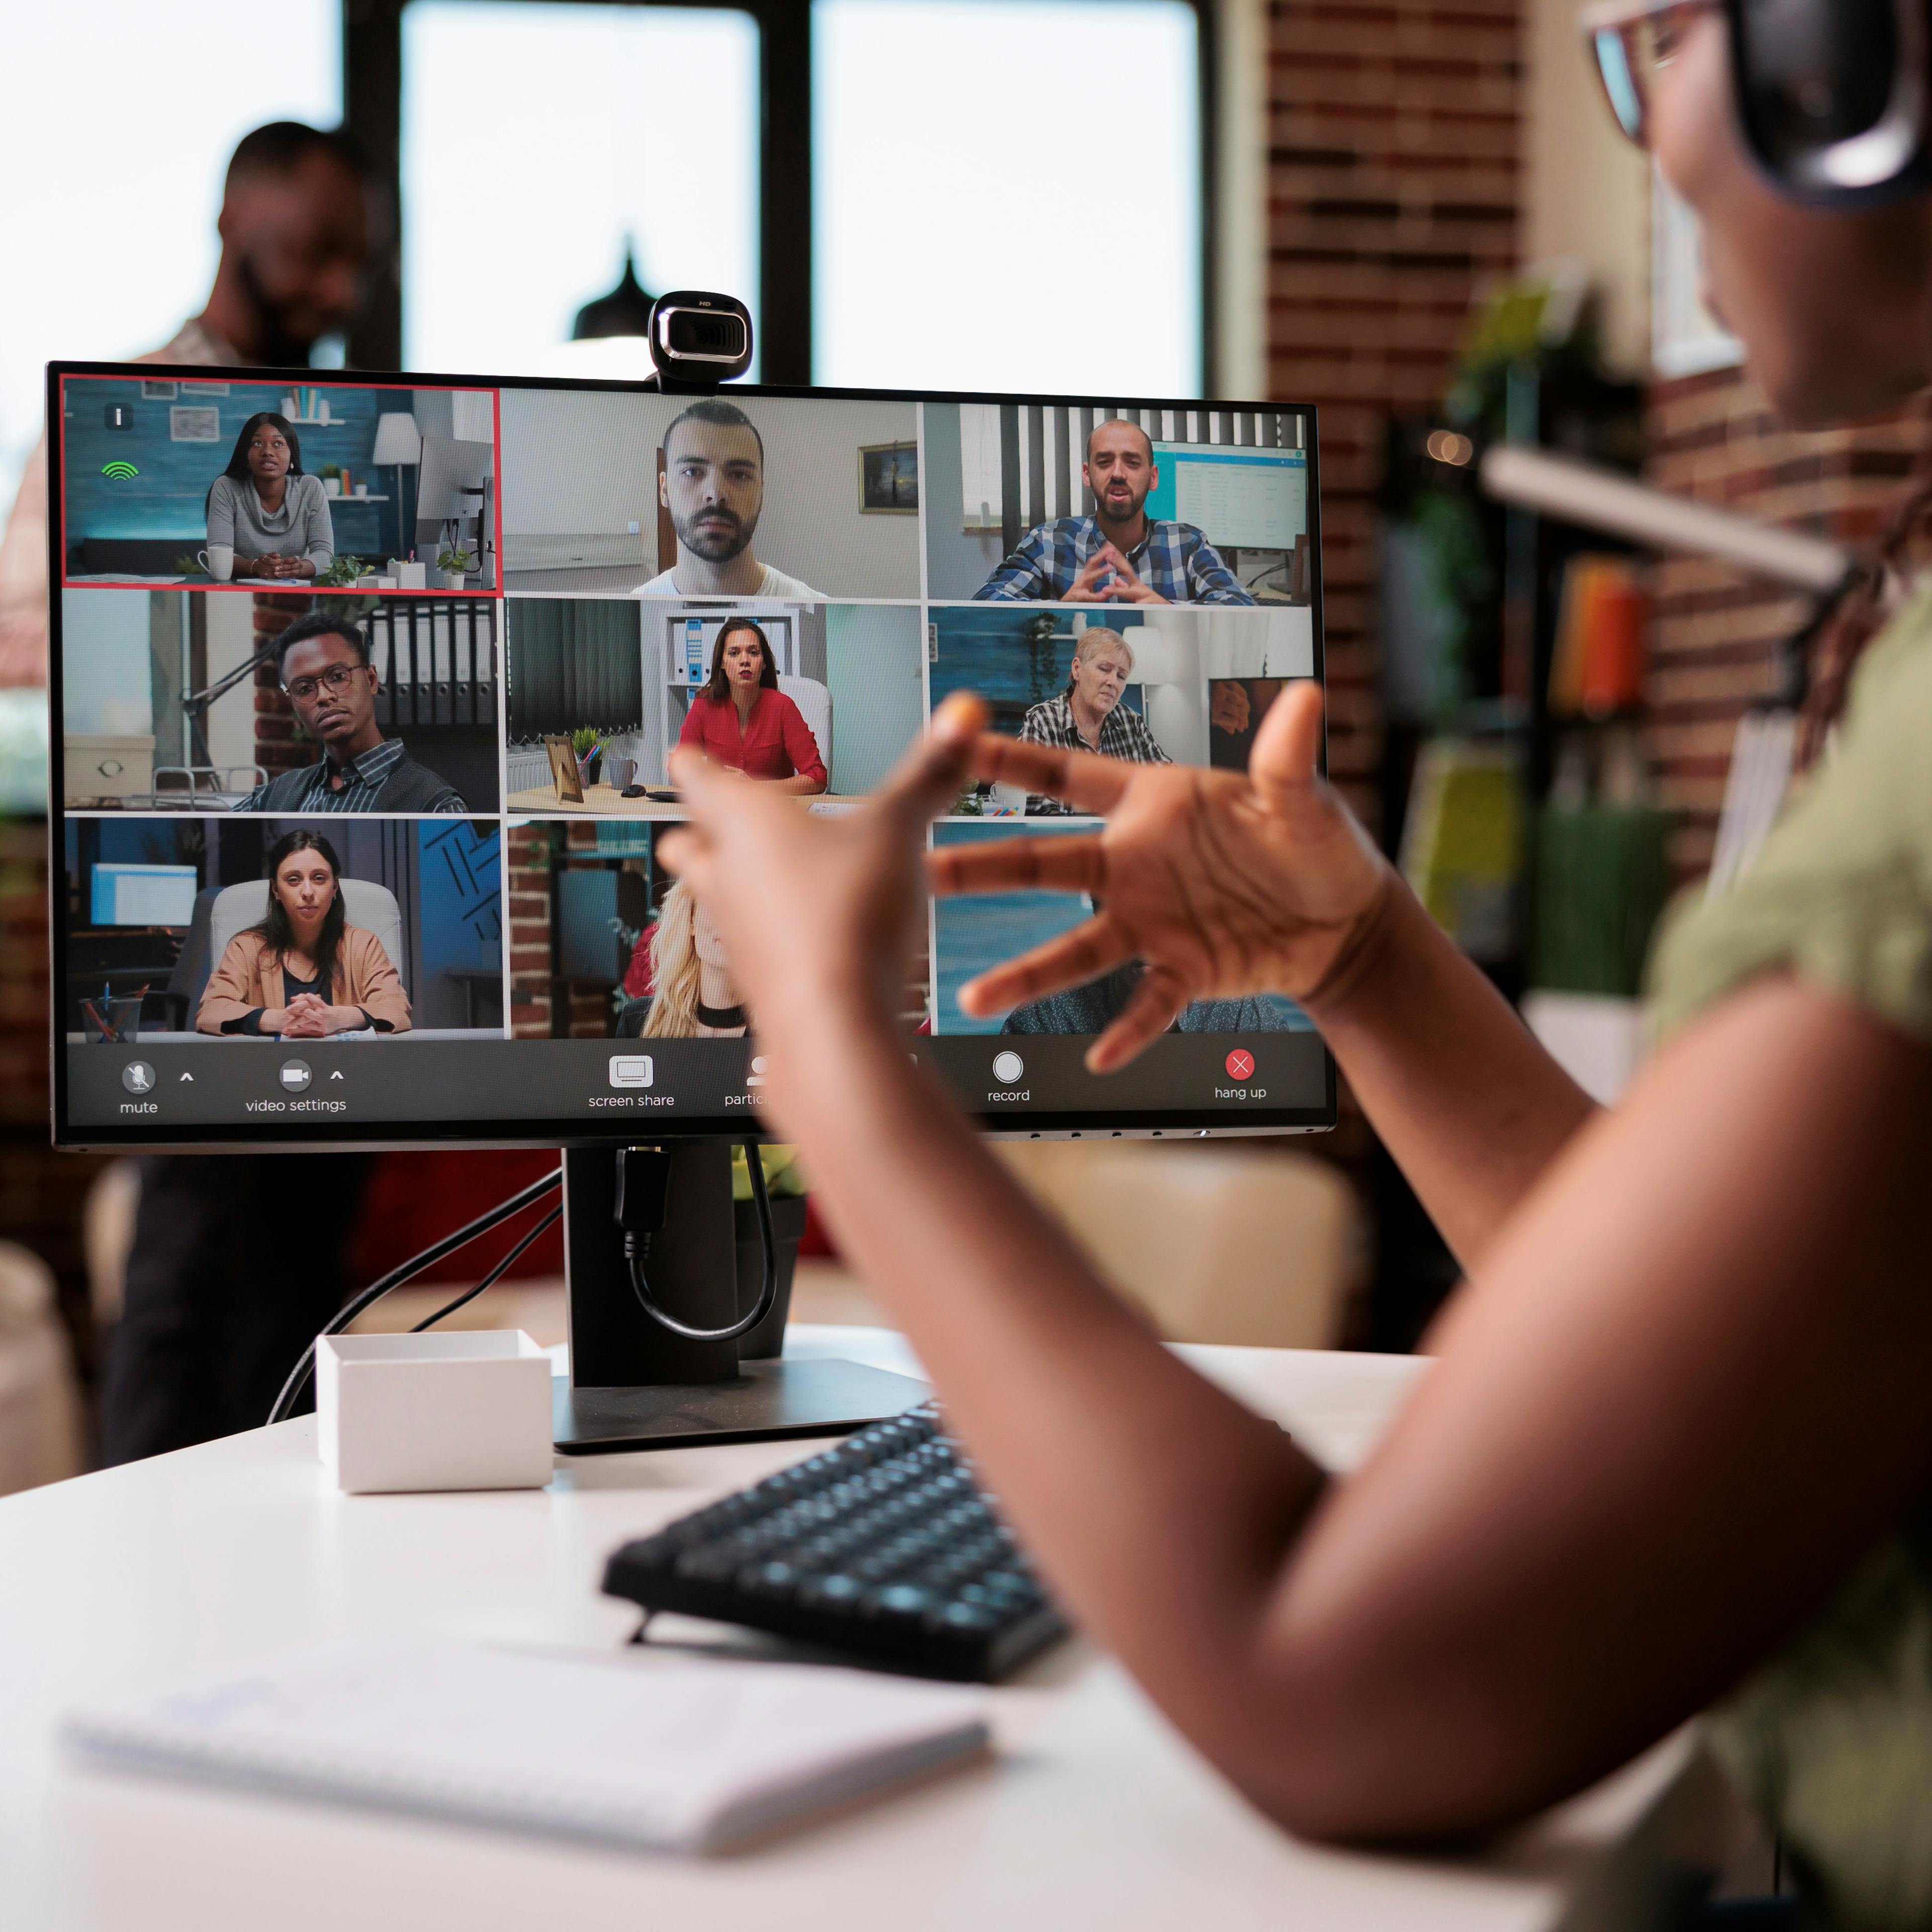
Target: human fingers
{"x": 682, "y": 851}
{"x": 1281, "y": 767}
{"x": 1082, "y": 779}
{"x": 1071, "y": 865}
{"x": 1095, "y": 946}
{"x": 930, "y": 776}
{"x": 708, "y": 790}
{"x": 1156, "y": 1000}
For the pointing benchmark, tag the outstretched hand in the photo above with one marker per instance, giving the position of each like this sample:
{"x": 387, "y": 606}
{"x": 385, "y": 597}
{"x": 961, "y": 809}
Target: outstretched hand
{"x": 1224, "y": 884}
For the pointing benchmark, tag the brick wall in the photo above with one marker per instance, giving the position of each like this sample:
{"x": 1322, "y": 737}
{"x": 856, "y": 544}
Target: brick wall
{"x": 1715, "y": 635}
{"x": 277, "y": 747}
{"x": 41, "y": 1192}
{"x": 1395, "y": 129}
{"x": 528, "y": 924}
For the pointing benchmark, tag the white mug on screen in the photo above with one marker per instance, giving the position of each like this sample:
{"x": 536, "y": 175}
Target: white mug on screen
{"x": 218, "y": 560}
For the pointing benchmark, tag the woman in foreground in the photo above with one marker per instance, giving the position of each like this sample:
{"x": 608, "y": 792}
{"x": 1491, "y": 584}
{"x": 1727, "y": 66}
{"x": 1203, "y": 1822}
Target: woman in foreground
{"x": 1672, "y": 1457}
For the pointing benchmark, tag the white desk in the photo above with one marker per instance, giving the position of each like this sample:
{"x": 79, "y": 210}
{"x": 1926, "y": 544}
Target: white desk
{"x": 1093, "y": 1814}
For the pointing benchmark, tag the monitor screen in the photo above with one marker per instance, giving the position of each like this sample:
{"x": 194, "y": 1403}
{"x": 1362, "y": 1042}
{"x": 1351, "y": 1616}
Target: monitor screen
{"x": 126, "y": 895}
{"x": 393, "y": 666}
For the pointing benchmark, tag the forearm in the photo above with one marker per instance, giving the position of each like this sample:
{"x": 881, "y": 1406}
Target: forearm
{"x": 800, "y": 784}
{"x": 1470, "y": 1105}
{"x": 1103, "y": 1446}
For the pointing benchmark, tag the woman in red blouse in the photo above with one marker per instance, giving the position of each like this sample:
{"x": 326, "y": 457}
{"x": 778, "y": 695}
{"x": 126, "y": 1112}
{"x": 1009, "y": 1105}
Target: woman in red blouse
{"x": 742, "y": 720}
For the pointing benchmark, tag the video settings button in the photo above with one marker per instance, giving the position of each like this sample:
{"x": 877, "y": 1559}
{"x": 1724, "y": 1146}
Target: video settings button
{"x": 295, "y": 1075}
{"x": 630, "y": 1069}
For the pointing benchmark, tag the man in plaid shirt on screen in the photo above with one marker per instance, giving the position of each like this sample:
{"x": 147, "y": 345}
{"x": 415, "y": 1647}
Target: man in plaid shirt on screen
{"x": 1117, "y": 555}
{"x": 1088, "y": 715}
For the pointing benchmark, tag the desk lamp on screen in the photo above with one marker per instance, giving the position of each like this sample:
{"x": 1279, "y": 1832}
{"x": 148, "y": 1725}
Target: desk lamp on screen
{"x": 620, "y": 1041}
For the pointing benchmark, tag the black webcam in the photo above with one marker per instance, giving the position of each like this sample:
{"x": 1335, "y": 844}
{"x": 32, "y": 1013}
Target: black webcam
{"x": 699, "y": 339}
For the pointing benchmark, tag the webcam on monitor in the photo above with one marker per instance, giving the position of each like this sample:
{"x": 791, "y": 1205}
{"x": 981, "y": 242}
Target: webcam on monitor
{"x": 700, "y": 338}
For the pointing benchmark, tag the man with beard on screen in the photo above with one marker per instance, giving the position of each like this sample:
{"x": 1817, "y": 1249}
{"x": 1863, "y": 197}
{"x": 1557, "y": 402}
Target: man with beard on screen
{"x": 1119, "y": 554}
{"x": 713, "y": 485}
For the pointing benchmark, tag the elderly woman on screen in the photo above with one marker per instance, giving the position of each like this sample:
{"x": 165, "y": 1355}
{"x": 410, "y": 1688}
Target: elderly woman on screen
{"x": 274, "y": 517}
{"x": 1088, "y": 715}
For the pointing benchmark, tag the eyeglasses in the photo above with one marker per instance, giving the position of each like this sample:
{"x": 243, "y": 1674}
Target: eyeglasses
{"x": 1631, "y": 40}
{"x": 337, "y": 678}
{"x": 1831, "y": 95}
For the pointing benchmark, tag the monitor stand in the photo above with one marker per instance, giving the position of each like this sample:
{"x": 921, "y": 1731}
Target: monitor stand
{"x": 634, "y": 1385}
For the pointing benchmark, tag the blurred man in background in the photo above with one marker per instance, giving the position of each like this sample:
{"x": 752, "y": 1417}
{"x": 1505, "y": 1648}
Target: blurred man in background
{"x": 296, "y": 235}
{"x": 222, "y": 1290}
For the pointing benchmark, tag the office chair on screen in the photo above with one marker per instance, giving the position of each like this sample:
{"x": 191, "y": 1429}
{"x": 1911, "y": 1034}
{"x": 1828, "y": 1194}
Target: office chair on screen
{"x": 814, "y": 706}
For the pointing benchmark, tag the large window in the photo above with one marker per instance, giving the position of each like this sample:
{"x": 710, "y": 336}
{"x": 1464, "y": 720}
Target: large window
{"x": 118, "y": 120}
{"x": 536, "y": 138}
{"x": 1007, "y": 194}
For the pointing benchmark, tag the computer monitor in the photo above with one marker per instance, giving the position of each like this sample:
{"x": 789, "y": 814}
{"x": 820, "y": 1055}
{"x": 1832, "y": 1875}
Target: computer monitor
{"x": 130, "y": 894}
{"x": 560, "y": 989}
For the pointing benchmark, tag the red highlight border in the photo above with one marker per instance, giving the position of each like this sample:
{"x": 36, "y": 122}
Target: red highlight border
{"x": 291, "y": 586}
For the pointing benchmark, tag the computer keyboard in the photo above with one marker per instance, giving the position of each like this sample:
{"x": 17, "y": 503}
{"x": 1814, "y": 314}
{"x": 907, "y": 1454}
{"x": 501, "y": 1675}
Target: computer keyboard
{"x": 883, "y": 1546}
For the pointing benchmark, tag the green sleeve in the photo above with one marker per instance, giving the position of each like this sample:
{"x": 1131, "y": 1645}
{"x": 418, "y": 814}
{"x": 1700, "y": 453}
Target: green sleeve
{"x": 1841, "y": 894}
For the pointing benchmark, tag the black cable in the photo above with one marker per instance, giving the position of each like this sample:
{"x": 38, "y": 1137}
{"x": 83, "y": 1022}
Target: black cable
{"x": 495, "y": 1275}
{"x": 298, "y": 1375}
{"x": 637, "y": 1246}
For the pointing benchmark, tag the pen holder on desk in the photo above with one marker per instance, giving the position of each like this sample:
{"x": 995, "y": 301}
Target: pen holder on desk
{"x": 433, "y": 1411}
{"x": 115, "y": 1022}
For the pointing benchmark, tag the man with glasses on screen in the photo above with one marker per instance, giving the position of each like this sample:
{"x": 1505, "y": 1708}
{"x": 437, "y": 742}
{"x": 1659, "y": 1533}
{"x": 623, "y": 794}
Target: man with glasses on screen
{"x": 713, "y": 485}
{"x": 1119, "y": 555}
{"x": 326, "y": 673}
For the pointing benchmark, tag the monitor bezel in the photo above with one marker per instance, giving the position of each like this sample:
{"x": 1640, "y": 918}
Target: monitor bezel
{"x": 397, "y": 1135}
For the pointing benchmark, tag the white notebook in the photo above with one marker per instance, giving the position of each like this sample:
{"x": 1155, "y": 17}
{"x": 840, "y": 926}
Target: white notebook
{"x": 668, "y": 1752}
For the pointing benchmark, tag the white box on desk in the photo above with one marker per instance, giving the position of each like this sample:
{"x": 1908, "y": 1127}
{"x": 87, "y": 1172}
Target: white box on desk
{"x": 468, "y": 1411}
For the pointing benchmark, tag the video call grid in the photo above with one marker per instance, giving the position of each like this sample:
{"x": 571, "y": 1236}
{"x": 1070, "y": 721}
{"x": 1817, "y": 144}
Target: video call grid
{"x": 930, "y": 613}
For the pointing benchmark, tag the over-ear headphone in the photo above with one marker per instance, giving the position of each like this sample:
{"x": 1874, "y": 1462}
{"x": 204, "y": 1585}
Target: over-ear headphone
{"x": 1834, "y": 98}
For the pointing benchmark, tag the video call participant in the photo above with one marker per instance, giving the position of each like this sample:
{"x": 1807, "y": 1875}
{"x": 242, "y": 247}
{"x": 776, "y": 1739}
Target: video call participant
{"x": 741, "y": 719}
{"x": 296, "y": 247}
{"x": 1118, "y": 555}
{"x": 199, "y": 1351}
{"x": 691, "y": 995}
{"x": 713, "y": 485}
{"x": 303, "y": 973}
{"x": 274, "y": 517}
{"x": 325, "y": 669}
{"x": 1088, "y": 715}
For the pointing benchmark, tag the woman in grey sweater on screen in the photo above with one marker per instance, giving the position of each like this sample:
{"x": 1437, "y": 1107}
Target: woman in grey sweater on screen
{"x": 275, "y": 518}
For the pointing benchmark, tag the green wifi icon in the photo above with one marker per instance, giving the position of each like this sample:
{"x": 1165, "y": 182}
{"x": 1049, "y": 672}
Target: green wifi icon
{"x": 121, "y": 473}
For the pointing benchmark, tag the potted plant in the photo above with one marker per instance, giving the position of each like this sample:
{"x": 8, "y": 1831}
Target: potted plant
{"x": 455, "y": 562}
{"x": 331, "y": 474}
{"x": 588, "y": 749}
{"x": 345, "y": 570}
